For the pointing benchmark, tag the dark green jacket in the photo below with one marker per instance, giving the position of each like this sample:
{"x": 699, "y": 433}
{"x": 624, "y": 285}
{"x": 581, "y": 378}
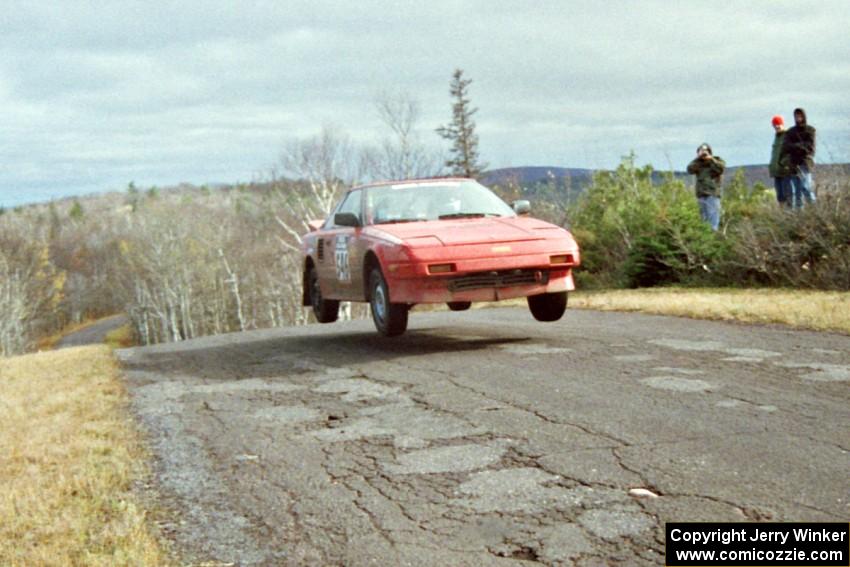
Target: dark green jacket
{"x": 709, "y": 174}
{"x": 799, "y": 144}
{"x": 779, "y": 162}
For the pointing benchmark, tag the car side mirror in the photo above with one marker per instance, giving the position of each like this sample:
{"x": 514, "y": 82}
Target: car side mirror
{"x": 346, "y": 219}
{"x": 522, "y": 207}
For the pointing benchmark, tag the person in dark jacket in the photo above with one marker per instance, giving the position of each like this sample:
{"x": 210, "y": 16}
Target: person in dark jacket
{"x": 779, "y": 168}
{"x": 799, "y": 144}
{"x": 709, "y": 171}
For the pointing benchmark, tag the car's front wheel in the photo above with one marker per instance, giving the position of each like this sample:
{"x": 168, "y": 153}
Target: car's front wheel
{"x": 390, "y": 318}
{"x": 548, "y": 306}
{"x": 325, "y": 310}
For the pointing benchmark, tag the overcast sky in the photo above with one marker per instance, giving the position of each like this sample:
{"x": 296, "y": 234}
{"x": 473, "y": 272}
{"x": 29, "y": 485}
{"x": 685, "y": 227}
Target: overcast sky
{"x": 98, "y": 94}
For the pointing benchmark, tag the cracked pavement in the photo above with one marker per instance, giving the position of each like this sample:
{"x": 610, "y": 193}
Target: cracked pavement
{"x": 486, "y": 438}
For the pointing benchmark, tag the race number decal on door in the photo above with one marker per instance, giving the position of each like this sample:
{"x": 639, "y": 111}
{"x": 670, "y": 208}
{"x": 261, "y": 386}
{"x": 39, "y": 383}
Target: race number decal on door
{"x": 343, "y": 272}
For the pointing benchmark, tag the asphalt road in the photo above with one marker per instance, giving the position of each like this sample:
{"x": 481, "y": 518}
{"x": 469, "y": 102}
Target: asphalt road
{"x": 486, "y": 438}
{"x": 94, "y": 333}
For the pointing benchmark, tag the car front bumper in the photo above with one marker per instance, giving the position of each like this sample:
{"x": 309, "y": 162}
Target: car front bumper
{"x": 480, "y": 278}
{"x": 441, "y": 290}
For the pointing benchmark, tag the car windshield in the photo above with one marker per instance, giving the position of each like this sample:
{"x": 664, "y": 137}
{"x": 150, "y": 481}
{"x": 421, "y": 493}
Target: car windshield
{"x": 411, "y": 202}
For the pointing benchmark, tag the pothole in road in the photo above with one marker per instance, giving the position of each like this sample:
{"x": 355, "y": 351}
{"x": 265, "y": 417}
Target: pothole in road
{"x": 615, "y": 524}
{"x": 528, "y": 490}
{"x": 558, "y": 544}
{"x": 755, "y": 353}
{"x": 454, "y": 458}
{"x": 407, "y": 423}
{"x": 677, "y": 384}
{"x": 533, "y": 349}
{"x": 563, "y": 543}
{"x": 732, "y": 403}
{"x": 680, "y": 344}
{"x": 672, "y": 370}
{"x": 826, "y": 351}
{"x": 359, "y": 389}
{"x": 281, "y": 415}
{"x": 525, "y": 554}
{"x": 750, "y": 359}
{"x": 246, "y": 385}
{"x": 634, "y": 357}
{"x": 736, "y": 354}
{"x": 822, "y": 372}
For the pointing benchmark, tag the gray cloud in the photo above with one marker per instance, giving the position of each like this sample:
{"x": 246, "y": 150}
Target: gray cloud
{"x": 97, "y": 95}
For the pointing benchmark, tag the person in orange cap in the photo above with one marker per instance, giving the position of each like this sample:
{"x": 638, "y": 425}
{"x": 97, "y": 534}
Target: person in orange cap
{"x": 780, "y": 168}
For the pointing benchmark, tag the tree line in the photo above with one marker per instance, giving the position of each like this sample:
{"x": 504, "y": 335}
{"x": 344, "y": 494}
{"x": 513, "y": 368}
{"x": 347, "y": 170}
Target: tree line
{"x": 192, "y": 261}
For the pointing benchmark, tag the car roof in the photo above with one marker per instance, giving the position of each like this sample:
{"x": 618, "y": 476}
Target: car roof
{"x": 423, "y": 181}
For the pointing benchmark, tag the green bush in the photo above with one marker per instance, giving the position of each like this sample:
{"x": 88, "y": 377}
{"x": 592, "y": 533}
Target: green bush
{"x": 635, "y": 231}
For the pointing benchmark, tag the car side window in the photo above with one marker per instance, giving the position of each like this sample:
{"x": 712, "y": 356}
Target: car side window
{"x": 351, "y": 204}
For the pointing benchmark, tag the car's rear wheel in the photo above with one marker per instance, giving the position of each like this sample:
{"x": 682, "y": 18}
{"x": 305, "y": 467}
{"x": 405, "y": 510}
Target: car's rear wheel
{"x": 325, "y": 310}
{"x": 548, "y": 306}
{"x": 459, "y": 305}
{"x": 390, "y": 318}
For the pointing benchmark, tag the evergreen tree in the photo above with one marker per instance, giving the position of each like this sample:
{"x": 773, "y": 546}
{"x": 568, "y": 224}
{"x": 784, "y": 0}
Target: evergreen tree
{"x": 464, "y": 160}
{"x": 76, "y": 213}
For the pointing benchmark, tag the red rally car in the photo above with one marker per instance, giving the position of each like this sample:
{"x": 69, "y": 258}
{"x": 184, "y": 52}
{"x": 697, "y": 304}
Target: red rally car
{"x": 453, "y": 241}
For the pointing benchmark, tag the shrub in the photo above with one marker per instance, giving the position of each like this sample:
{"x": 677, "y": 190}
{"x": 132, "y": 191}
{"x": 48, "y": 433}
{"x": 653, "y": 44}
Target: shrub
{"x": 809, "y": 248}
{"x": 638, "y": 233}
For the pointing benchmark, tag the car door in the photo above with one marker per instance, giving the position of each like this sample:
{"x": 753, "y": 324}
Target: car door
{"x": 340, "y": 266}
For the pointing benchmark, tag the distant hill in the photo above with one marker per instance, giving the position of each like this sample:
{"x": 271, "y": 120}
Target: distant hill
{"x": 577, "y": 179}
{"x": 534, "y": 175}
{"x": 569, "y": 182}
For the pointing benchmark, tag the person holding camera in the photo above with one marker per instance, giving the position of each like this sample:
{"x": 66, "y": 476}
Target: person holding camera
{"x": 709, "y": 171}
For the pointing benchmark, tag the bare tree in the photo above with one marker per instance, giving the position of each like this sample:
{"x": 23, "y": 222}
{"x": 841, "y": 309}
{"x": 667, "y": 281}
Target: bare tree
{"x": 325, "y": 163}
{"x": 30, "y": 288}
{"x": 401, "y": 155}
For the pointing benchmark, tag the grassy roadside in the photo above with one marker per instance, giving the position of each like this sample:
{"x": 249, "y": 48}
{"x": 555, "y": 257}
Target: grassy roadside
{"x": 803, "y": 309}
{"x": 122, "y": 337}
{"x": 69, "y": 457}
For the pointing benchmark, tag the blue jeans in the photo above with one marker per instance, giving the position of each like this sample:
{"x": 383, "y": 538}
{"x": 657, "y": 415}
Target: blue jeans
{"x": 783, "y": 190}
{"x": 801, "y": 187}
{"x": 709, "y": 210}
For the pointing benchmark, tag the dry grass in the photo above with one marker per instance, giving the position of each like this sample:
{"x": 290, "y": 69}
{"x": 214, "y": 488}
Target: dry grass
{"x": 122, "y": 337}
{"x": 805, "y": 309}
{"x": 68, "y": 457}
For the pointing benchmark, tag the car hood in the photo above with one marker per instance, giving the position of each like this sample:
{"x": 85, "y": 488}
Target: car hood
{"x": 471, "y": 231}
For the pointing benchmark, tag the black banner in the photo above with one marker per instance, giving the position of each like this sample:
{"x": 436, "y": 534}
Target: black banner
{"x": 809, "y": 544}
